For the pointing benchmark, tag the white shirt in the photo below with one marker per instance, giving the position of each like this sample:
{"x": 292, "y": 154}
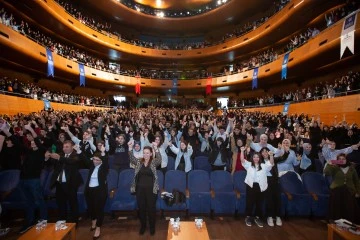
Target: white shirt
{"x": 63, "y": 177}
{"x": 94, "y": 180}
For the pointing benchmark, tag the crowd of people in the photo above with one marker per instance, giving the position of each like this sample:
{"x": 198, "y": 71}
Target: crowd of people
{"x": 55, "y": 45}
{"x": 100, "y": 24}
{"x": 31, "y": 90}
{"x": 86, "y": 58}
{"x": 345, "y": 85}
{"x": 264, "y": 144}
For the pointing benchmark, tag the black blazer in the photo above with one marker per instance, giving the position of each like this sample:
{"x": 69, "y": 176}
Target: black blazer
{"x": 102, "y": 174}
{"x": 71, "y": 168}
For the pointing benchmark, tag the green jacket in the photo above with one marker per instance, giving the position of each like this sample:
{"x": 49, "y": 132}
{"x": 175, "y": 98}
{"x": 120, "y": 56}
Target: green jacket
{"x": 350, "y": 179}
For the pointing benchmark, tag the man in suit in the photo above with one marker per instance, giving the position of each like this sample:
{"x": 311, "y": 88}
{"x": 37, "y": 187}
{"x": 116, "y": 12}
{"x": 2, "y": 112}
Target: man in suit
{"x": 67, "y": 179}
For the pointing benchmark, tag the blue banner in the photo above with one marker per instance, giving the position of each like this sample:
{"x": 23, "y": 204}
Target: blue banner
{"x": 284, "y": 66}
{"x": 255, "y": 78}
{"x": 47, "y": 104}
{"x": 82, "y": 74}
{"x": 286, "y": 108}
{"x": 174, "y": 86}
{"x": 50, "y": 63}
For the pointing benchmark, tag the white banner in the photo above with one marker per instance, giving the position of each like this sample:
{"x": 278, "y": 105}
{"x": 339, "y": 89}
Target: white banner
{"x": 348, "y": 34}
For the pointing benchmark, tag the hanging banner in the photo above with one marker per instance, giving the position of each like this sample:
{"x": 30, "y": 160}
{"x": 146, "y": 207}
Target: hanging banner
{"x": 208, "y": 86}
{"x": 348, "y": 34}
{"x": 47, "y": 105}
{"x": 255, "y": 78}
{"x": 286, "y": 108}
{"x": 284, "y": 66}
{"x": 82, "y": 74}
{"x": 50, "y": 63}
{"x": 137, "y": 86}
{"x": 174, "y": 86}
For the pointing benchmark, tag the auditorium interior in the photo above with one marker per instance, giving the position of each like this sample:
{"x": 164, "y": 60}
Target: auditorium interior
{"x": 217, "y": 76}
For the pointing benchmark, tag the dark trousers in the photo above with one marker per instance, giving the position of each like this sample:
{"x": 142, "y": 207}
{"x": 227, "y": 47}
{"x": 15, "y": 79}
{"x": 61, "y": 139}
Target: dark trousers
{"x": 34, "y": 199}
{"x": 67, "y": 194}
{"x": 273, "y": 198}
{"x": 146, "y": 200}
{"x": 254, "y": 198}
{"x": 95, "y": 200}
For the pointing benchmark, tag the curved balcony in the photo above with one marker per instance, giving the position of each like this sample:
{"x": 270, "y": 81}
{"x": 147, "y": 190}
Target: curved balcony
{"x": 327, "y": 108}
{"x": 318, "y": 52}
{"x": 292, "y": 15}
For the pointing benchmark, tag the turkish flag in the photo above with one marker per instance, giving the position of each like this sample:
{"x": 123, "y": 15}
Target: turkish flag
{"x": 208, "y": 86}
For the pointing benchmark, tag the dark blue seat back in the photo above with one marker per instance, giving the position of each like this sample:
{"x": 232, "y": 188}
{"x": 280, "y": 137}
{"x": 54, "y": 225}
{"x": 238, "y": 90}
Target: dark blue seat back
{"x": 315, "y": 183}
{"x": 171, "y": 163}
{"x": 221, "y": 181}
{"x": 239, "y": 181}
{"x": 198, "y": 181}
{"x": 175, "y": 179}
{"x": 202, "y": 163}
{"x": 9, "y": 180}
{"x": 291, "y": 183}
{"x": 112, "y": 179}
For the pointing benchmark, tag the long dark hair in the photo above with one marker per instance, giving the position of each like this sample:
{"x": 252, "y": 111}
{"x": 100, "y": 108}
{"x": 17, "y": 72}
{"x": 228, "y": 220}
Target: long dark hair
{"x": 151, "y": 158}
{"x": 261, "y": 160}
{"x": 186, "y": 146}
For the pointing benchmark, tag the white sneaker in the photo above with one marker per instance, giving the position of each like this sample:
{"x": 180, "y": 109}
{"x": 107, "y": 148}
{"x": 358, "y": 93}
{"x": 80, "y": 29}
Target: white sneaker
{"x": 270, "y": 221}
{"x": 278, "y": 221}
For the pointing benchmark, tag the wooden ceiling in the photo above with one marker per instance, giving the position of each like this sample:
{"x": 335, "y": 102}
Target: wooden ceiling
{"x": 174, "y": 4}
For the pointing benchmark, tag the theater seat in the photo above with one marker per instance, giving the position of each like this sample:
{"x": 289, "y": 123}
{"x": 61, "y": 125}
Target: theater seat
{"x": 171, "y": 163}
{"x": 12, "y": 196}
{"x": 112, "y": 181}
{"x": 161, "y": 186}
{"x": 224, "y": 197}
{"x": 80, "y": 193}
{"x": 298, "y": 200}
{"x": 174, "y": 179}
{"x": 202, "y": 163}
{"x": 240, "y": 188}
{"x": 199, "y": 192}
{"x": 123, "y": 199}
{"x": 315, "y": 184}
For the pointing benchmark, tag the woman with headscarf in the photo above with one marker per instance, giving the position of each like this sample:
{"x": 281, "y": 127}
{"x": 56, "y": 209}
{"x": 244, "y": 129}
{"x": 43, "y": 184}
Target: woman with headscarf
{"x": 308, "y": 158}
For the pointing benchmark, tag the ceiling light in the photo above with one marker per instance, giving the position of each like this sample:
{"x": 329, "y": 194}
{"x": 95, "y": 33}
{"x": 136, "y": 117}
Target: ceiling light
{"x": 160, "y": 14}
{"x": 218, "y": 2}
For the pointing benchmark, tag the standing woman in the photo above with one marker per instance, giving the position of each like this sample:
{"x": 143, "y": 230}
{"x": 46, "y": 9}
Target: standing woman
{"x": 96, "y": 190}
{"x": 273, "y": 192}
{"x": 256, "y": 184}
{"x": 145, "y": 184}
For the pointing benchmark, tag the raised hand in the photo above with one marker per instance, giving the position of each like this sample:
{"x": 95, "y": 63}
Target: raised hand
{"x": 154, "y": 145}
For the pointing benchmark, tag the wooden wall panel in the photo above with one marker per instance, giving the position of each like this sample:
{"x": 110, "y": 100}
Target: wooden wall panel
{"x": 12, "y": 105}
{"x": 327, "y": 109}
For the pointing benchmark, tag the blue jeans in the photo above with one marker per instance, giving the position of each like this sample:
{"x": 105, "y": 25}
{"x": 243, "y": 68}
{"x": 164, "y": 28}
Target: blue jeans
{"x": 34, "y": 199}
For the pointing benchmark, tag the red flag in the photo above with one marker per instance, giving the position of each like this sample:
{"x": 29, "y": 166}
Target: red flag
{"x": 137, "y": 86}
{"x": 208, "y": 85}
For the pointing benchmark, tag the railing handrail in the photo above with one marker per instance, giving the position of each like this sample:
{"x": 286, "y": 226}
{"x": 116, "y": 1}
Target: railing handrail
{"x": 302, "y": 100}
{"x": 40, "y": 98}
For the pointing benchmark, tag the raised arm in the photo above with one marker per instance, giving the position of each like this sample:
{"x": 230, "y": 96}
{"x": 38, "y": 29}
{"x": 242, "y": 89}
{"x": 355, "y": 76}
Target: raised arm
{"x": 132, "y": 158}
{"x": 71, "y": 135}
